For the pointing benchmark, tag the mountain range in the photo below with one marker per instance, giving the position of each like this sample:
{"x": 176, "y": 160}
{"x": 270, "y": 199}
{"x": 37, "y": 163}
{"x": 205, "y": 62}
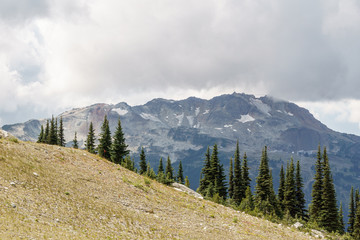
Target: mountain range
{"x": 184, "y": 129}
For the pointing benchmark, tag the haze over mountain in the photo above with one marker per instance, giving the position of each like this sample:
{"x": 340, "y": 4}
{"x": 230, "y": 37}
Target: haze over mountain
{"x": 184, "y": 129}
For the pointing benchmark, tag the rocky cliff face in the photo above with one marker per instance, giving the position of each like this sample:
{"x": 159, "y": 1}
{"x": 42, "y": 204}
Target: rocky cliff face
{"x": 184, "y": 129}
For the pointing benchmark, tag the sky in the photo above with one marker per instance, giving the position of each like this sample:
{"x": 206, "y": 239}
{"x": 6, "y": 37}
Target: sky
{"x": 59, "y": 54}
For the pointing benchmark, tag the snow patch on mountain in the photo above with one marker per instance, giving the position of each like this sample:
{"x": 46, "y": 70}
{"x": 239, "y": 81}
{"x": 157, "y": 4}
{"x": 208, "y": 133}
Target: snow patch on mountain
{"x": 206, "y": 111}
{"x": 120, "y": 111}
{"x": 190, "y": 119}
{"x": 262, "y": 107}
{"x": 150, "y": 117}
{"x": 246, "y": 118}
{"x": 180, "y": 118}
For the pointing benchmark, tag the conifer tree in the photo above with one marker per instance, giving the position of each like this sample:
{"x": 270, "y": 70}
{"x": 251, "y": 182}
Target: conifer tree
{"x": 90, "y": 140}
{"x": 238, "y": 180}
{"x": 180, "y": 175}
{"x": 46, "y": 133}
{"x": 341, "y": 220}
{"x": 220, "y": 182}
{"x": 52, "y": 132}
{"x": 231, "y": 179}
{"x": 357, "y": 199}
{"x": 247, "y": 203}
{"x": 262, "y": 188}
{"x": 161, "y": 167}
{"x": 351, "y": 215}
{"x": 299, "y": 194}
{"x": 245, "y": 173}
{"x": 214, "y": 165}
{"x": 61, "y": 133}
{"x": 187, "y": 183}
{"x": 143, "y": 165}
{"x": 118, "y": 148}
{"x": 356, "y": 232}
{"x": 105, "y": 140}
{"x": 41, "y": 135}
{"x": 205, "y": 174}
{"x": 169, "y": 170}
{"x": 75, "y": 142}
{"x": 329, "y": 210}
{"x": 317, "y": 189}
{"x": 281, "y": 187}
{"x": 289, "y": 193}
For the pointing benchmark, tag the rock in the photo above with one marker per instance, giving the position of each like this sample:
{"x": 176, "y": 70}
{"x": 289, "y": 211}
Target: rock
{"x": 13, "y": 184}
{"x": 35, "y": 174}
{"x": 298, "y": 225}
{"x": 13, "y": 205}
{"x": 183, "y": 188}
{"x": 317, "y": 233}
{"x": 57, "y": 220}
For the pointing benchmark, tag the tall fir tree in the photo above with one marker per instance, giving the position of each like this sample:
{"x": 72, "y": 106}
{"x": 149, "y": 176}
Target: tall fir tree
{"x": 299, "y": 194}
{"x": 169, "y": 170}
{"x": 180, "y": 175}
{"x": 289, "y": 193}
{"x": 246, "y": 180}
{"x": 356, "y": 232}
{"x": 118, "y": 148}
{"x": 90, "y": 140}
{"x": 161, "y": 167}
{"x": 341, "y": 220}
{"x": 231, "y": 179}
{"x": 75, "y": 142}
{"x": 247, "y": 203}
{"x": 238, "y": 180}
{"x": 187, "y": 183}
{"x": 41, "y": 135}
{"x": 281, "y": 187}
{"x": 351, "y": 215}
{"x": 143, "y": 165}
{"x": 317, "y": 189}
{"x": 52, "y": 138}
{"x": 56, "y": 132}
{"x": 105, "y": 140}
{"x": 214, "y": 165}
{"x": 61, "y": 133}
{"x": 220, "y": 182}
{"x": 46, "y": 132}
{"x": 262, "y": 188}
{"x": 205, "y": 174}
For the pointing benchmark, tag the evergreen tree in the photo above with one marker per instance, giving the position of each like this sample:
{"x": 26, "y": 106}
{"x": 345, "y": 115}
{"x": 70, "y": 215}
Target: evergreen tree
{"x": 118, "y": 148}
{"x": 351, "y": 212}
{"x": 247, "y": 203}
{"x": 299, "y": 194}
{"x": 61, "y": 133}
{"x": 262, "y": 188}
{"x": 329, "y": 210}
{"x": 46, "y": 133}
{"x": 90, "y": 140}
{"x": 143, "y": 165}
{"x": 41, "y": 135}
{"x": 245, "y": 173}
{"x": 220, "y": 182}
{"x": 52, "y": 138}
{"x": 105, "y": 140}
{"x": 356, "y": 231}
{"x": 205, "y": 174}
{"x": 231, "y": 179}
{"x": 187, "y": 183}
{"x": 281, "y": 187}
{"x": 238, "y": 180}
{"x": 75, "y": 142}
{"x": 289, "y": 193}
{"x": 341, "y": 220}
{"x": 180, "y": 175}
{"x": 214, "y": 165}
{"x": 161, "y": 167}
{"x": 357, "y": 199}
{"x": 169, "y": 170}
{"x": 317, "y": 189}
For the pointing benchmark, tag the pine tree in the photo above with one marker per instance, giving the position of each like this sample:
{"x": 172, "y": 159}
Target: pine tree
{"x": 56, "y": 132}
{"x": 356, "y": 232}
{"x": 41, "y": 135}
{"x": 90, "y": 140}
{"x": 238, "y": 180}
{"x": 205, "y": 174}
{"x": 46, "y": 133}
{"x": 351, "y": 212}
{"x": 52, "y": 138}
{"x": 247, "y": 204}
{"x": 289, "y": 193}
{"x": 299, "y": 194}
{"x": 161, "y": 167}
{"x": 329, "y": 211}
{"x": 75, "y": 142}
{"x": 245, "y": 173}
{"x": 187, "y": 183}
{"x": 231, "y": 179}
{"x": 214, "y": 165}
{"x": 281, "y": 188}
{"x": 61, "y": 133}
{"x": 180, "y": 175}
{"x": 143, "y": 165}
{"x": 105, "y": 140}
{"x": 220, "y": 182}
{"x": 317, "y": 189}
{"x": 118, "y": 148}
{"x": 341, "y": 220}
{"x": 262, "y": 188}
{"x": 169, "y": 170}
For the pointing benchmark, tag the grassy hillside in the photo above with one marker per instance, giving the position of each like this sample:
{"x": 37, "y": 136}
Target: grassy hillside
{"x": 62, "y": 193}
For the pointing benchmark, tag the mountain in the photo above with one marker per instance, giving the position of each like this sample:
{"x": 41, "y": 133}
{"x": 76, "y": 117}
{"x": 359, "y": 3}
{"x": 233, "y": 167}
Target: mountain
{"x": 184, "y": 129}
{"x": 51, "y": 192}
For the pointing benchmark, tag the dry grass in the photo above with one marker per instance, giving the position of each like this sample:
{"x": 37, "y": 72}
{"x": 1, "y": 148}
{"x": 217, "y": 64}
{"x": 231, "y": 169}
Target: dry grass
{"x": 63, "y": 193}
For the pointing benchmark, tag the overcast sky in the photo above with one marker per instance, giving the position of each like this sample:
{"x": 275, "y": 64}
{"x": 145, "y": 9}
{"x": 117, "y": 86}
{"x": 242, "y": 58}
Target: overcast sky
{"x": 60, "y": 54}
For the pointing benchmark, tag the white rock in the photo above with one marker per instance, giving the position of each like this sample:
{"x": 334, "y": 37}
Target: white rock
{"x": 298, "y": 225}
{"x": 13, "y": 184}
{"x": 35, "y": 174}
{"x": 13, "y": 205}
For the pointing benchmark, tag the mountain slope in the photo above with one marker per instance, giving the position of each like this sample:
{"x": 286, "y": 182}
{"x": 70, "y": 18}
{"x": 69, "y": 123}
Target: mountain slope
{"x": 54, "y": 192}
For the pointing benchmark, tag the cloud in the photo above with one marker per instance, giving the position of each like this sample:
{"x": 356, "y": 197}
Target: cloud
{"x": 81, "y": 52}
